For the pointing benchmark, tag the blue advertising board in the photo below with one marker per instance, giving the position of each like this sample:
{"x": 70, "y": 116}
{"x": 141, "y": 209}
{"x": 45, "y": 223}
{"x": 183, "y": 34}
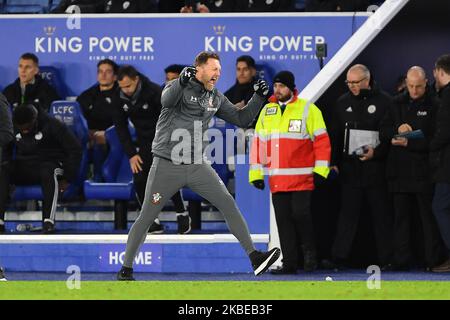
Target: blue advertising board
{"x": 152, "y": 42}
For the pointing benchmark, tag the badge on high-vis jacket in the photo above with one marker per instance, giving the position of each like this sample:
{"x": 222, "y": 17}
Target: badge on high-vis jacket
{"x": 295, "y": 125}
{"x": 270, "y": 111}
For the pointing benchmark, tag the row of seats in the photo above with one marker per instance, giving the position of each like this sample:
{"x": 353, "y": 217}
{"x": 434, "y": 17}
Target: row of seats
{"x": 27, "y": 6}
{"x": 117, "y": 177}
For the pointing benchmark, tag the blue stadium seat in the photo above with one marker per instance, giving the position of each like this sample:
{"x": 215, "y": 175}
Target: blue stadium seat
{"x": 26, "y": 6}
{"x": 69, "y": 112}
{"x": 53, "y": 76}
{"x": 118, "y": 179}
{"x": 266, "y": 72}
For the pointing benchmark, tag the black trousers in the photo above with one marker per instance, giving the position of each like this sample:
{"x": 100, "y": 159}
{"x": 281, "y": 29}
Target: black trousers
{"x": 351, "y": 208}
{"x": 23, "y": 173}
{"x": 405, "y": 205}
{"x": 140, "y": 182}
{"x": 294, "y": 222}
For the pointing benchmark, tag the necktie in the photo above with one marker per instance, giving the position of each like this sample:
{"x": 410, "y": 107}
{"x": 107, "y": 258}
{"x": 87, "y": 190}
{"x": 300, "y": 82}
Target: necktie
{"x": 283, "y": 107}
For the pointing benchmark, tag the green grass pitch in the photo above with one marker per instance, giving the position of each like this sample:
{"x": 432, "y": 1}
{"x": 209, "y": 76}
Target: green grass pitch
{"x": 225, "y": 290}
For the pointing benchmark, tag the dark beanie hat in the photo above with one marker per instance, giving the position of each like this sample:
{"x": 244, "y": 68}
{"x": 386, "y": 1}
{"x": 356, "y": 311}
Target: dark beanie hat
{"x": 24, "y": 114}
{"x": 285, "y": 77}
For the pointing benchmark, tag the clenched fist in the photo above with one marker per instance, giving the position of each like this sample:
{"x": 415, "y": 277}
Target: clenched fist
{"x": 187, "y": 74}
{"x": 261, "y": 88}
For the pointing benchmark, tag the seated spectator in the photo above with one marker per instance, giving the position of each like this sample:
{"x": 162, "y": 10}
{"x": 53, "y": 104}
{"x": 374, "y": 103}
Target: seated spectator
{"x": 29, "y": 87}
{"x": 47, "y": 154}
{"x": 85, "y": 6}
{"x": 173, "y": 72}
{"x": 96, "y": 102}
{"x": 131, "y": 6}
{"x": 241, "y": 92}
{"x": 97, "y": 105}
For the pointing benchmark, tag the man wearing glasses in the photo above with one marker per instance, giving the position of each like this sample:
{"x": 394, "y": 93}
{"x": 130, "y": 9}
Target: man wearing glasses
{"x": 362, "y": 173}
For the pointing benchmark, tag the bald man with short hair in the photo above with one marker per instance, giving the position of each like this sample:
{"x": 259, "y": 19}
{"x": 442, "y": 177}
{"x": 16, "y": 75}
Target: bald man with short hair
{"x": 408, "y": 172}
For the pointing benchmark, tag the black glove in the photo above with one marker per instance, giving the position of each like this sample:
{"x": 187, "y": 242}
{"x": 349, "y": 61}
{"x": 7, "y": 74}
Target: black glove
{"x": 261, "y": 88}
{"x": 186, "y": 74}
{"x": 259, "y": 184}
{"x": 318, "y": 180}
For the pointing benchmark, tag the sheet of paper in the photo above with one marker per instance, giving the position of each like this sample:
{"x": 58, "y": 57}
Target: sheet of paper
{"x": 362, "y": 138}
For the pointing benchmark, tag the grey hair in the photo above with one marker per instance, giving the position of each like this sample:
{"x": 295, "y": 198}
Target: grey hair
{"x": 362, "y": 68}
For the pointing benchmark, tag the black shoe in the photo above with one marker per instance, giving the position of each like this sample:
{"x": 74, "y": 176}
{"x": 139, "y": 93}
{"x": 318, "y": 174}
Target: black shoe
{"x": 261, "y": 261}
{"x": 310, "y": 258}
{"x": 283, "y": 270}
{"x": 184, "y": 224}
{"x": 2, "y": 228}
{"x": 2, "y": 275}
{"x": 156, "y": 228}
{"x": 48, "y": 228}
{"x": 125, "y": 274}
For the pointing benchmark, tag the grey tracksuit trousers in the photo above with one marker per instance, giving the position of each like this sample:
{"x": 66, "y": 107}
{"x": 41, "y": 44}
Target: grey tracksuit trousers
{"x": 164, "y": 179}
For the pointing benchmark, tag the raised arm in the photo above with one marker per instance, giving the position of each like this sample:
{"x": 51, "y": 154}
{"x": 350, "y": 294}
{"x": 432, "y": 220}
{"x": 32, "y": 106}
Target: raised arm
{"x": 243, "y": 117}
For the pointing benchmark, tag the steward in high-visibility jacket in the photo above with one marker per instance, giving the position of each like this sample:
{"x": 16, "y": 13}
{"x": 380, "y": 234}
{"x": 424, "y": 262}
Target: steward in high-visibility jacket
{"x": 291, "y": 146}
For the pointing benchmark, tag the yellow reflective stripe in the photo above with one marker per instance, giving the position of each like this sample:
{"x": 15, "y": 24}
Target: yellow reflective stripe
{"x": 284, "y": 135}
{"x": 290, "y": 171}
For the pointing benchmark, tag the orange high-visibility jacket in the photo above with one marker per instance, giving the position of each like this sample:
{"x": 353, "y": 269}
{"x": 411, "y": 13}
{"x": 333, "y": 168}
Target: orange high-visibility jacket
{"x": 290, "y": 147}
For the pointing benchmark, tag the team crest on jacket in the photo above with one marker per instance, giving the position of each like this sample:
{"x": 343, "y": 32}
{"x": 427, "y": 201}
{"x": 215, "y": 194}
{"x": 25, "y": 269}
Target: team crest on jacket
{"x": 194, "y": 99}
{"x": 270, "y": 111}
{"x": 38, "y": 136}
{"x": 156, "y": 198}
{"x": 372, "y": 108}
{"x": 108, "y": 99}
{"x": 18, "y": 137}
{"x": 145, "y": 106}
{"x": 295, "y": 125}
{"x": 125, "y": 107}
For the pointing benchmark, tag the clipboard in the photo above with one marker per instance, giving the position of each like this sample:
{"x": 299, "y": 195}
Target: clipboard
{"x": 411, "y": 135}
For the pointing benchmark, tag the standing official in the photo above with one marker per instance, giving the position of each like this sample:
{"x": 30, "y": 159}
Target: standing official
{"x": 408, "y": 173}
{"x": 440, "y": 156}
{"x": 362, "y": 175}
{"x": 291, "y": 142}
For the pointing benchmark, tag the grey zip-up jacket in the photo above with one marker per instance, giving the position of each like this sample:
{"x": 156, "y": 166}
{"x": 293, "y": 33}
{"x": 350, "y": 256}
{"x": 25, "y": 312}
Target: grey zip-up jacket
{"x": 185, "y": 115}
